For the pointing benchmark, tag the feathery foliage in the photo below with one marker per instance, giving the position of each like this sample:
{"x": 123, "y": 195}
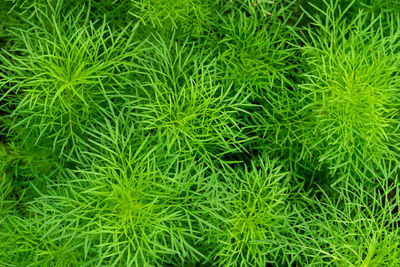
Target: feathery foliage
{"x": 63, "y": 75}
{"x": 180, "y": 101}
{"x": 255, "y": 217}
{"x": 199, "y": 133}
{"x": 352, "y": 93}
{"x": 356, "y": 227}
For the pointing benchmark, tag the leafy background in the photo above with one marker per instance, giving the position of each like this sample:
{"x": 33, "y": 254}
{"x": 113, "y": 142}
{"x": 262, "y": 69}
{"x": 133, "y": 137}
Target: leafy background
{"x": 199, "y": 133}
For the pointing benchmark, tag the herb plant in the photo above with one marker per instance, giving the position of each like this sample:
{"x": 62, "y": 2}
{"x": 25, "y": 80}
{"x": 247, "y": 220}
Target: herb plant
{"x": 199, "y": 133}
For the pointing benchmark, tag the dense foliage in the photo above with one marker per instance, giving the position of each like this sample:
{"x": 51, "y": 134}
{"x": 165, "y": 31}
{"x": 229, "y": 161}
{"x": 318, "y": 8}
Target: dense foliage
{"x": 199, "y": 133}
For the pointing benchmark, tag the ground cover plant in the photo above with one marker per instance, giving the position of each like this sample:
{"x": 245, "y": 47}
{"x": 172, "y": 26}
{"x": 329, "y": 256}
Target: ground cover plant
{"x": 199, "y": 133}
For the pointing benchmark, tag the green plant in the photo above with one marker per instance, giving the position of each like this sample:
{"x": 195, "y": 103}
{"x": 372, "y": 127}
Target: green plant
{"x": 181, "y": 104}
{"x": 255, "y": 51}
{"x": 23, "y": 162}
{"x": 62, "y": 76}
{"x": 188, "y": 17}
{"x": 129, "y": 203}
{"x": 199, "y": 133}
{"x": 255, "y": 216}
{"x": 4, "y": 8}
{"x": 356, "y": 226}
{"x": 41, "y": 241}
{"x": 373, "y": 7}
{"x": 351, "y": 96}
{"x": 7, "y": 209}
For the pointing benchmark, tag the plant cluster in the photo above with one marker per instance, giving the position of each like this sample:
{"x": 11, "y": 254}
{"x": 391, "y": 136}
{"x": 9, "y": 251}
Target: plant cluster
{"x": 199, "y": 133}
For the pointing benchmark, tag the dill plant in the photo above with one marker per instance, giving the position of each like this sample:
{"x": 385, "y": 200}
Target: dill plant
{"x": 63, "y": 74}
{"x": 129, "y": 204}
{"x": 116, "y": 11}
{"x": 351, "y": 96}
{"x": 7, "y": 209}
{"x": 372, "y": 7}
{"x": 4, "y": 9}
{"x": 29, "y": 7}
{"x": 356, "y": 225}
{"x": 190, "y": 18}
{"x": 40, "y": 240}
{"x": 256, "y": 215}
{"x": 188, "y": 133}
{"x": 257, "y": 54}
{"x": 386, "y": 6}
{"x": 181, "y": 103}
{"x": 24, "y": 162}
{"x": 255, "y": 51}
{"x": 22, "y": 170}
